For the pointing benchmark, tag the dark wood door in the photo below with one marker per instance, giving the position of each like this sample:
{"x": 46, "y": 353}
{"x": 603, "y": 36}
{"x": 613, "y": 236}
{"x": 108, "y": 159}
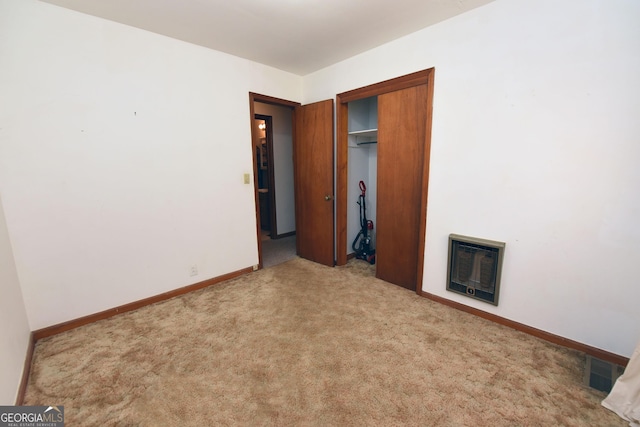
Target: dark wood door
{"x": 313, "y": 153}
{"x": 402, "y": 125}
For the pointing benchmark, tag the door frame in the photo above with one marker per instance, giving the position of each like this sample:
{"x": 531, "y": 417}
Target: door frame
{"x": 256, "y": 97}
{"x": 424, "y": 77}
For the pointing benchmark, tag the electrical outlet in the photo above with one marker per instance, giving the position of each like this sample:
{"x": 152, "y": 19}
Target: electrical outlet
{"x": 193, "y": 270}
{"x": 247, "y": 178}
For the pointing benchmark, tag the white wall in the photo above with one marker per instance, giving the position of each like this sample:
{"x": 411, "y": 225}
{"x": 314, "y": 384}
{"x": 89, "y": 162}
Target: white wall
{"x": 122, "y": 156}
{"x": 14, "y": 326}
{"x": 283, "y": 164}
{"x": 534, "y": 143}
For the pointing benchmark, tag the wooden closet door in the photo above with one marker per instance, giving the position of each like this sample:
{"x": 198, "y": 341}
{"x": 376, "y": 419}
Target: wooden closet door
{"x": 402, "y": 124}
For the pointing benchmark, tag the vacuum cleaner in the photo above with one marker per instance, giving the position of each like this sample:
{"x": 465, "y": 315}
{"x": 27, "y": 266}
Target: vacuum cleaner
{"x": 363, "y": 243}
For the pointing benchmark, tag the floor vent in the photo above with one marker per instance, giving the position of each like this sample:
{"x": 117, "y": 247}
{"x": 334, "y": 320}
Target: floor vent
{"x": 601, "y": 375}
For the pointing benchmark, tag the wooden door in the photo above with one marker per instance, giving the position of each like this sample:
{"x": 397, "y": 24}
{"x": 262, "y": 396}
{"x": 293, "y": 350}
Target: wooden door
{"x": 402, "y": 126}
{"x": 313, "y": 170}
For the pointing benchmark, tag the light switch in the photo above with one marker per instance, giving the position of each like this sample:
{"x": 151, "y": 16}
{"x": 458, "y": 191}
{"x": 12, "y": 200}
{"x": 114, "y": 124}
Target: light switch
{"x": 247, "y": 178}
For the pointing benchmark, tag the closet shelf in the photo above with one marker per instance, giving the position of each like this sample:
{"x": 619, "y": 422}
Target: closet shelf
{"x": 363, "y": 137}
{"x": 365, "y": 132}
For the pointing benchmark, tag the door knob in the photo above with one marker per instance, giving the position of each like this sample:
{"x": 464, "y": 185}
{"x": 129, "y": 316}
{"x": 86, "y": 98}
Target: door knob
{"x": 328, "y": 197}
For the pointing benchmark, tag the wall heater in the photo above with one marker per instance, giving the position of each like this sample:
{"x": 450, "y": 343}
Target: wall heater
{"x": 474, "y": 267}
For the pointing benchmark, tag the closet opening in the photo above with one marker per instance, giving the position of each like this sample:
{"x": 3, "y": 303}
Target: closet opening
{"x": 362, "y": 178}
{"x": 384, "y": 139}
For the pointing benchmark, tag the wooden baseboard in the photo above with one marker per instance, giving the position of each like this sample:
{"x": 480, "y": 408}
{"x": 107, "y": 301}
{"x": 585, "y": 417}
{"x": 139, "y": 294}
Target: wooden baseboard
{"x": 26, "y": 371}
{"x": 72, "y": 324}
{"x": 547, "y": 336}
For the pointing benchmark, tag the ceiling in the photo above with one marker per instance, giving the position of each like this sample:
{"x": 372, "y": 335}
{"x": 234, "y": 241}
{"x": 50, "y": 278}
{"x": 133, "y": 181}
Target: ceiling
{"x": 299, "y": 36}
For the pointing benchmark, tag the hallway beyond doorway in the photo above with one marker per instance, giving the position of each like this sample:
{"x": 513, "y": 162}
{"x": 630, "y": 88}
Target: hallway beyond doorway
{"x": 277, "y": 251}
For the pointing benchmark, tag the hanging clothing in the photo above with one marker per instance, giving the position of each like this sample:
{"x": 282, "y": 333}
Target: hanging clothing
{"x": 624, "y": 398}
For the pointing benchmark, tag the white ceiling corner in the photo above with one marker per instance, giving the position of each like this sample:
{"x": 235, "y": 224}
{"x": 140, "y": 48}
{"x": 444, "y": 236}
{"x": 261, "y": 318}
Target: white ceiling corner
{"x": 298, "y": 36}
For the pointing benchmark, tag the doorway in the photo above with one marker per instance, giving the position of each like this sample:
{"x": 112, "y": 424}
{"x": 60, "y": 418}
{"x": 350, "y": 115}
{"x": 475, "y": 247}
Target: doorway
{"x": 312, "y": 159}
{"x": 272, "y": 139}
{"x": 265, "y": 177}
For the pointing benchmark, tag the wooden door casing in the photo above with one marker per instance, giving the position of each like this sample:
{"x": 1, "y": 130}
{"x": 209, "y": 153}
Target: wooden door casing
{"x": 313, "y": 172}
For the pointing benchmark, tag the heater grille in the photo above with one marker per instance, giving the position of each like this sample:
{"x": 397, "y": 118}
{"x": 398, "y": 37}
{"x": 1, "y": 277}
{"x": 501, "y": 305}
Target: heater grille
{"x": 474, "y": 267}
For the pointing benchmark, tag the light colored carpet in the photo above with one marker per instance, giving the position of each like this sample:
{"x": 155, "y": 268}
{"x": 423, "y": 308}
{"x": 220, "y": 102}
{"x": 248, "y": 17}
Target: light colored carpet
{"x": 308, "y": 345}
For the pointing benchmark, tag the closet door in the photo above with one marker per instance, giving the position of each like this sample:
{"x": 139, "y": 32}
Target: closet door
{"x": 402, "y": 126}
